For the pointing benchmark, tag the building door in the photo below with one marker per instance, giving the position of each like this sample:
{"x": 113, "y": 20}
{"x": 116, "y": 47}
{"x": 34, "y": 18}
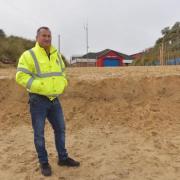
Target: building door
{"x": 108, "y": 62}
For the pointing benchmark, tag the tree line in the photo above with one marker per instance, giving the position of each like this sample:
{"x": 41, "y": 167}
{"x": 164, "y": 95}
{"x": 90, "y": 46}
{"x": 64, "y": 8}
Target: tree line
{"x": 12, "y": 47}
{"x": 168, "y": 44}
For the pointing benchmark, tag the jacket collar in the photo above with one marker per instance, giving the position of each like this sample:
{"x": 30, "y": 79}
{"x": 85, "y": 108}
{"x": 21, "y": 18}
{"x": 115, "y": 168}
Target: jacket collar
{"x": 38, "y": 47}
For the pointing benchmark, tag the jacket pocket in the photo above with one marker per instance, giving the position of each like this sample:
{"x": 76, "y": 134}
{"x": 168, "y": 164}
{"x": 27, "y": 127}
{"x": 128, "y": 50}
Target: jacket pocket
{"x": 37, "y": 86}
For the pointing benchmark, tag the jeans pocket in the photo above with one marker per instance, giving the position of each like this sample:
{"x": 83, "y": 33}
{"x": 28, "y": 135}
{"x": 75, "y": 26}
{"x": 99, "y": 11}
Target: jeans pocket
{"x": 33, "y": 99}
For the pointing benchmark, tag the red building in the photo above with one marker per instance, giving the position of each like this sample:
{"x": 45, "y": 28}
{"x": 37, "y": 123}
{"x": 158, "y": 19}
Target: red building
{"x": 106, "y": 58}
{"x": 109, "y": 58}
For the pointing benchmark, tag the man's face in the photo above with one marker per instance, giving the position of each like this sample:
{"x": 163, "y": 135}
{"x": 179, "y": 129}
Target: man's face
{"x": 44, "y": 38}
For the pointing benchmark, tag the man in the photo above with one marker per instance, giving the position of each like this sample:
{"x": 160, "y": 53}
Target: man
{"x": 41, "y": 71}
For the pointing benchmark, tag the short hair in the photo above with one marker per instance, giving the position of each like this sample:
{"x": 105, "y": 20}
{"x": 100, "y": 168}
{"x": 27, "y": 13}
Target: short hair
{"x": 42, "y": 27}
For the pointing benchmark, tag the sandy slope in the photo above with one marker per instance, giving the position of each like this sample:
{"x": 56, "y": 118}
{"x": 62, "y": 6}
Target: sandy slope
{"x": 122, "y": 123}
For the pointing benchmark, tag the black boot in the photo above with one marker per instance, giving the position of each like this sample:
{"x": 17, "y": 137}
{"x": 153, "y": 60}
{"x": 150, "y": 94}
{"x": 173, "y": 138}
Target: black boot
{"x": 46, "y": 169}
{"x": 69, "y": 162}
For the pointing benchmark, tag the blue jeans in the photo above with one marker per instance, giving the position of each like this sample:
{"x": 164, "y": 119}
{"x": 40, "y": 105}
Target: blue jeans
{"x": 41, "y": 108}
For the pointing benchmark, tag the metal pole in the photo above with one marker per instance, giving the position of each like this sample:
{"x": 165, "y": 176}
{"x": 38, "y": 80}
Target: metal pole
{"x": 59, "y": 43}
{"x": 163, "y": 53}
{"x": 87, "y": 43}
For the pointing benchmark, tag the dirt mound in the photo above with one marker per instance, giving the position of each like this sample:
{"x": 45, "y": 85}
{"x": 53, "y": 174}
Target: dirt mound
{"x": 122, "y": 123}
{"x": 132, "y": 101}
{"x": 13, "y": 104}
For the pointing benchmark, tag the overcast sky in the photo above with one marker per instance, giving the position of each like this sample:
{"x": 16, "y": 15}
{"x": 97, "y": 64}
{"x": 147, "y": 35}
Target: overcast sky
{"x": 127, "y": 26}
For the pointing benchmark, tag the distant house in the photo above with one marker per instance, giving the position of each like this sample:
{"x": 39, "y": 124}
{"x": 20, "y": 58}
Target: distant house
{"x": 105, "y": 58}
{"x": 140, "y": 54}
{"x": 137, "y": 55}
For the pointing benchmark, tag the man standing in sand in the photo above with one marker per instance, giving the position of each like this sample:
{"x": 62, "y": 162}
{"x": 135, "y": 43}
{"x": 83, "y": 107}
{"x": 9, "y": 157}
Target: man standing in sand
{"x": 41, "y": 71}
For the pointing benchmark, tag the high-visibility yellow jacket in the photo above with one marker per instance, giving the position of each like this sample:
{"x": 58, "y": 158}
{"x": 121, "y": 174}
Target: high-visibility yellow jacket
{"x": 40, "y": 74}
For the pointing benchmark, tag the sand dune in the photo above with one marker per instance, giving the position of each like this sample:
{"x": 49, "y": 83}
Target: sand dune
{"x": 122, "y": 124}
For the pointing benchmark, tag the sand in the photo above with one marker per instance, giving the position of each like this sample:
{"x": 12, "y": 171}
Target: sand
{"x": 122, "y": 124}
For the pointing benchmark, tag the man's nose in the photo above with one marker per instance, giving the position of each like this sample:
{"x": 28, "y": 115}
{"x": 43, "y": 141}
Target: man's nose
{"x": 47, "y": 38}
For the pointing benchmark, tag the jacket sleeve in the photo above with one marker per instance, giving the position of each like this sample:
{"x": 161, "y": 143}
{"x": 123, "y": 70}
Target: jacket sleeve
{"x": 25, "y": 73}
{"x": 63, "y": 68}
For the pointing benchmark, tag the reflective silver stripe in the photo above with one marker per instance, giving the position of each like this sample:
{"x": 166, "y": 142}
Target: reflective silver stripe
{"x": 29, "y": 83}
{"x": 25, "y": 70}
{"x": 42, "y": 75}
{"x": 35, "y": 61}
{"x": 50, "y": 74}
